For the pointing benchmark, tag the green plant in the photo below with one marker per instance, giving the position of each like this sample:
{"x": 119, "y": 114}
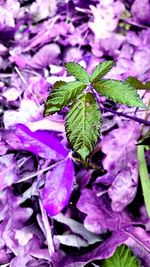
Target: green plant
{"x": 123, "y": 257}
{"x": 83, "y": 120}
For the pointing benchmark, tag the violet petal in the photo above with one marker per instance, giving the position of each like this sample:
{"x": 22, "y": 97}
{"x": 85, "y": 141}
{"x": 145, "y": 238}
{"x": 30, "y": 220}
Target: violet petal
{"x": 58, "y": 186}
{"x": 46, "y": 55}
{"x": 124, "y": 188}
{"x": 100, "y": 216}
{"x": 103, "y": 251}
{"x": 140, "y": 10}
{"x": 41, "y": 143}
{"x": 119, "y": 147}
{"x": 8, "y": 171}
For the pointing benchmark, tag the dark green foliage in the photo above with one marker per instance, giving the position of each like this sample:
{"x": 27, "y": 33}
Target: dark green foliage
{"x": 83, "y": 124}
{"x": 62, "y": 94}
{"x": 77, "y": 71}
{"x": 147, "y": 85}
{"x": 101, "y": 70}
{"x": 120, "y": 92}
{"x": 137, "y": 84}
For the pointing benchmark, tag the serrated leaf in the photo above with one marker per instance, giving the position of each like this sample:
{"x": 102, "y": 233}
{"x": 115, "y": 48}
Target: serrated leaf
{"x": 135, "y": 83}
{"x": 62, "y": 95}
{"x": 123, "y": 257}
{"x": 77, "y": 71}
{"x": 50, "y": 109}
{"x": 101, "y": 70}
{"x": 83, "y": 124}
{"x": 120, "y": 92}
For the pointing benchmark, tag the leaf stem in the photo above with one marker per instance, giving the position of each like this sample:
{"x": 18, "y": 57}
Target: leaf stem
{"x": 146, "y": 114}
{"x": 88, "y": 164}
{"x": 144, "y": 176}
{"x": 127, "y": 116}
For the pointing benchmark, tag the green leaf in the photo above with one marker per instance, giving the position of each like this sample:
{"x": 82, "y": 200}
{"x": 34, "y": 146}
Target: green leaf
{"x": 77, "y": 71}
{"x": 135, "y": 83}
{"x": 144, "y": 176}
{"x": 101, "y": 70}
{"x": 120, "y": 92}
{"x": 62, "y": 94}
{"x": 58, "y": 84}
{"x": 123, "y": 257}
{"x": 83, "y": 124}
{"x": 147, "y": 85}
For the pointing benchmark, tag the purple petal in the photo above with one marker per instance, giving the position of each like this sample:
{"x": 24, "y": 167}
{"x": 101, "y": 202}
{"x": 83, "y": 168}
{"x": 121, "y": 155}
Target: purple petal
{"x": 103, "y": 251}
{"x": 58, "y": 186}
{"x": 83, "y": 178}
{"x": 43, "y": 9}
{"x": 6, "y": 32}
{"x": 5, "y": 257}
{"x": 110, "y": 22}
{"x": 100, "y": 216}
{"x": 23, "y": 115}
{"x": 41, "y": 143}
{"x": 139, "y": 242}
{"x": 108, "y": 247}
{"x": 46, "y": 55}
{"x": 49, "y": 124}
{"x": 124, "y": 188}
{"x": 8, "y": 171}
{"x": 119, "y": 147}
{"x": 20, "y": 260}
{"x": 77, "y": 228}
{"x": 141, "y": 235}
{"x": 141, "y": 10}
{"x": 105, "y": 179}
{"x": 3, "y": 148}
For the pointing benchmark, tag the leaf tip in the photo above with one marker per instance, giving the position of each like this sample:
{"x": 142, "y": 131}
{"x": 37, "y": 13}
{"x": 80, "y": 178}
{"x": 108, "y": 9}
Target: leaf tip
{"x": 83, "y": 152}
{"x": 142, "y": 105}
